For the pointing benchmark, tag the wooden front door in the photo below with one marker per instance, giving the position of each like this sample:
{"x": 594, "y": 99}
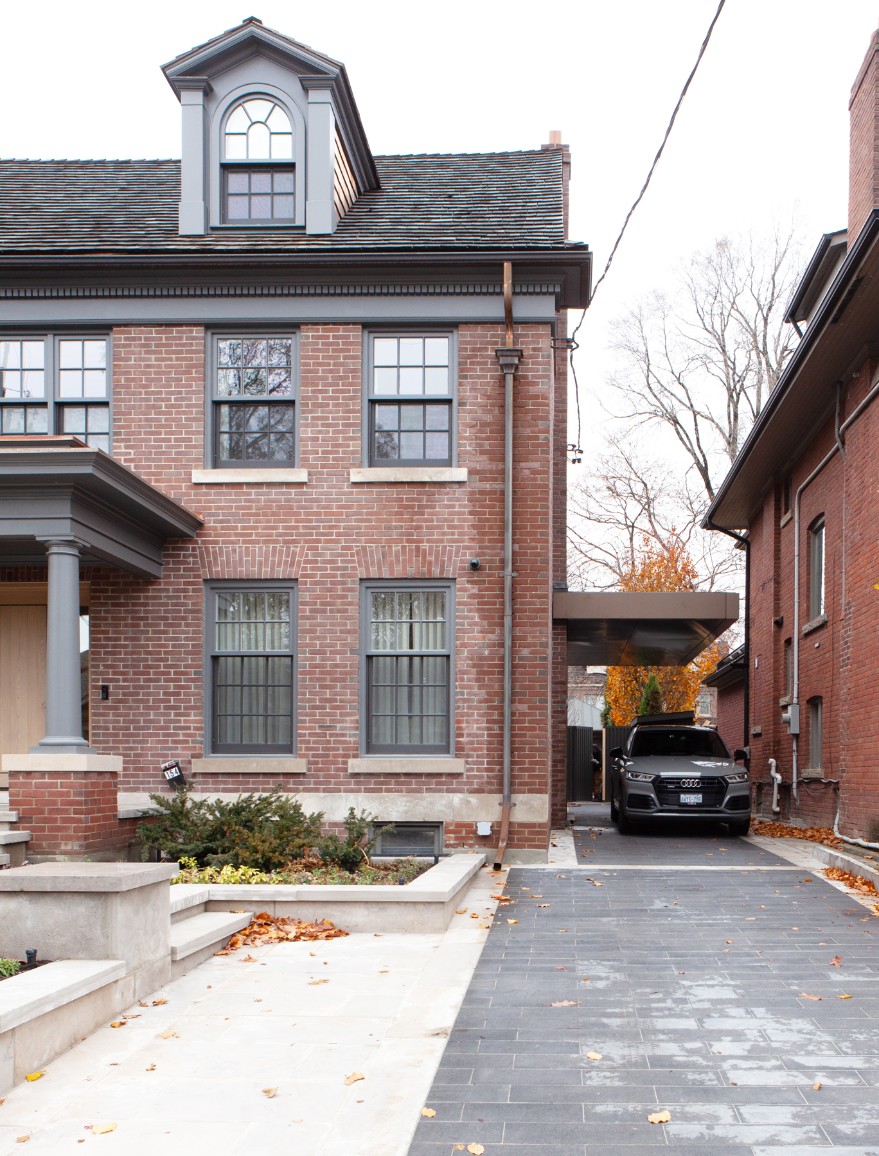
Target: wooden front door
{"x": 22, "y": 677}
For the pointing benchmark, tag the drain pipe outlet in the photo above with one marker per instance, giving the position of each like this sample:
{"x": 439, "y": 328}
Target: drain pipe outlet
{"x": 508, "y": 359}
{"x": 776, "y": 782}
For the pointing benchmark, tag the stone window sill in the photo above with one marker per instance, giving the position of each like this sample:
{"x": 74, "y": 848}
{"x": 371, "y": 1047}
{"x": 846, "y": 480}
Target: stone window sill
{"x": 380, "y": 765}
{"x": 249, "y": 765}
{"x": 815, "y": 624}
{"x": 267, "y": 477}
{"x": 409, "y": 474}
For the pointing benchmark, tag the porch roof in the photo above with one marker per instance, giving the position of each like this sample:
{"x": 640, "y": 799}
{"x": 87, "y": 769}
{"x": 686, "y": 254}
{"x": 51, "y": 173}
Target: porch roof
{"x": 642, "y": 629}
{"x": 55, "y": 487}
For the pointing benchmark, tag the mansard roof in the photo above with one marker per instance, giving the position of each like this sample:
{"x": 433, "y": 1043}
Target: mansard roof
{"x": 455, "y": 202}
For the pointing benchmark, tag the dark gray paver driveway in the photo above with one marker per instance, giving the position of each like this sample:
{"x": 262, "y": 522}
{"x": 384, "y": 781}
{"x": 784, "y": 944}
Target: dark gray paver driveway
{"x": 699, "y": 991}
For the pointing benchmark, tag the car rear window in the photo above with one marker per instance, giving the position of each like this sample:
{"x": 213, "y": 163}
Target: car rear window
{"x": 662, "y": 741}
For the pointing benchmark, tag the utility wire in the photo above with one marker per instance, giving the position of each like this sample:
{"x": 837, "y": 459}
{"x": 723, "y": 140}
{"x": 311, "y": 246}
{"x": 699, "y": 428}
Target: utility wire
{"x": 573, "y": 346}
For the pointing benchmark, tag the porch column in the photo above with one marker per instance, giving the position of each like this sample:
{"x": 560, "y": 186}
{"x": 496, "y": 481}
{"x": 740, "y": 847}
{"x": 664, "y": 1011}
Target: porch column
{"x": 63, "y": 679}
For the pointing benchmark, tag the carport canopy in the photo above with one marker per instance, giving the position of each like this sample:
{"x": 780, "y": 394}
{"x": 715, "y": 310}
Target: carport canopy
{"x": 620, "y": 628}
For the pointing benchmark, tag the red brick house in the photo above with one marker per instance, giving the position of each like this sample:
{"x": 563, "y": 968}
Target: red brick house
{"x": 264, "y": 412}
{"x": 805, "y": 490}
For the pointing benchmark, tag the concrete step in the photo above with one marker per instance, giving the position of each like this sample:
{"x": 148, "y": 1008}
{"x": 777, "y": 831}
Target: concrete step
{"x": 188, "y": 900}
{"x": 14, "y": 845}
{"x": 210, "y": 929}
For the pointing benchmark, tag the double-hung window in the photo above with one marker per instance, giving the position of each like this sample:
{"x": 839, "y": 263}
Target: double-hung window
{"x": 408, "y": 650}
{"x": 250, "y": 630}
{"x": 410, "y": 399}
{"x": 252, "y": 402}
{"x": 816, "y": 569}
{"x": 258, "y": 170}
{"x": 56, "y": 384}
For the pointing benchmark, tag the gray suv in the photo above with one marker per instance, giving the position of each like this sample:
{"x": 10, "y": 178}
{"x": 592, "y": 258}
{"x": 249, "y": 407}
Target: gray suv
{"x": 671, "y": 769}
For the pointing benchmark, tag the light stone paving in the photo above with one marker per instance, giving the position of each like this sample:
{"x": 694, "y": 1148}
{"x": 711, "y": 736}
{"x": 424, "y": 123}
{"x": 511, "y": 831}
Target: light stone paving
{"x": 301, "y": 1018}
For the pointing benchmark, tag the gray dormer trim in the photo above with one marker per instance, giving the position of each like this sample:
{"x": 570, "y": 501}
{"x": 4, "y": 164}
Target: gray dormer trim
{"x": 320, "y": 214}
{"x": 194, "y": 168}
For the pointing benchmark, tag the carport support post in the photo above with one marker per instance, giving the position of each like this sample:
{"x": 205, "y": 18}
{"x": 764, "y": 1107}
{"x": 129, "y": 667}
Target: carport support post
{"x": 63, "y": 679}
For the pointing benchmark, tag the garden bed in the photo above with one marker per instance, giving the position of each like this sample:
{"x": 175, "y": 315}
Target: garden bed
{"x": 307, "y": 871}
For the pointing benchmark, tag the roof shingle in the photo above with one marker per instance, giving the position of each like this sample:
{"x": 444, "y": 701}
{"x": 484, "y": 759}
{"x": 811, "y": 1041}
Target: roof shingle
{"x": 457, "y": 202}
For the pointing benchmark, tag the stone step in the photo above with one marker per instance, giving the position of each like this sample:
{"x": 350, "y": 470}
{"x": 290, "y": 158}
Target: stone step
{"x": 188, "y": 899}
{"x": 8, "y": 819}
{"x": 14, "y": 845}
{"x": 14, "y": 837}
{"x": 207, "y": 930}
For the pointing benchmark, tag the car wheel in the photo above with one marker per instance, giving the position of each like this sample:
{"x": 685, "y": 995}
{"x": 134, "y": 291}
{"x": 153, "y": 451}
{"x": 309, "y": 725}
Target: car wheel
{"x": 740, "y": 826}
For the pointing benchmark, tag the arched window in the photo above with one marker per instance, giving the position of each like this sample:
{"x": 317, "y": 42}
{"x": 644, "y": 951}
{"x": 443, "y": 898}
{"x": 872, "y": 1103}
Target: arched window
{"x": 258, "y": 171}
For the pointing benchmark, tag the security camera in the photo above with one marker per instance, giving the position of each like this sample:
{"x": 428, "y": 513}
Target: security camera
{"x": 474, "y": 563}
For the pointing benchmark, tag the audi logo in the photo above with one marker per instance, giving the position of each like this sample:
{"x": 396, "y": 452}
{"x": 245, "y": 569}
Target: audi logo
{"x": 691, "y": 782}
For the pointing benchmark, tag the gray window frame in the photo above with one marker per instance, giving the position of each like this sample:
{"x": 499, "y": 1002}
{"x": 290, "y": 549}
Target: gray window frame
{"x": 211, "y": 589}
{"x": 53, "y": 403}
{"x": 367, "y": 587}
{"x": 213, "y": 401}
{"x": 817, "y": 568}
{"x": 369, "y": 398}
{"x": 816, "y": 733}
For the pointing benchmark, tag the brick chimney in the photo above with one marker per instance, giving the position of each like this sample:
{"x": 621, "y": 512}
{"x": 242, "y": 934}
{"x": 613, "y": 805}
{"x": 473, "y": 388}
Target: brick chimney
{"x": 863, "y": 184}
{"x": 555, "y": 142}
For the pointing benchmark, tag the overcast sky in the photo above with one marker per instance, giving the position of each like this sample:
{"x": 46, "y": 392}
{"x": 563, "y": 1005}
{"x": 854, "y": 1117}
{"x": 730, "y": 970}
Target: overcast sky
{"x": 764, "y": 129}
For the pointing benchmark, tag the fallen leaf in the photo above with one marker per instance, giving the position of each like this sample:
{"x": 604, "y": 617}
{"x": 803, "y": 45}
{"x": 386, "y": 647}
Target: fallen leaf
{"x": 461, "y": 911}
{"x": 512, "y": 921}
{"x": 131, "y": 1017}
{"x": 384, "y": 971}
{"x": 585, "y": 979}
{"x": 662, "y": 1117}
{"x": 808, "y": 879}
{"x": 730, "y": 941}
{"x": 593, "y": 1055}
{"x": 559, "y": 969}
{"x": 805, "y": 995}
{"x": 458, "y": 1148}
{"x": 475, "y": 1149}
{"x": 143, "y": 1003}
{"x": 566, "y": 1003}
{"x": 265, "y": 928}
{"x": 22, "y": 1139}
{"x": 270, "y": 1093}
{"x": 158, "y": 1002}
{"x": 151, "y": 1068}
{"x": 836, "y": 961}
{"x": 816, "y": 1087}
{"x": 118, "y": 1024}
{"x": 31, "y": 1076}
{"x": 563, "y": 930}
{"x": 316, "y": 982}
{"x": 474, "y": 915}
{"x": 354, "y": 1077}
{"x": 101, "y": 1129}
{"x": 428, "y": 1112}
{"x": 844, "y": 996}
{"x": 855, "y": 882}
{"x": 168, "y": 1036}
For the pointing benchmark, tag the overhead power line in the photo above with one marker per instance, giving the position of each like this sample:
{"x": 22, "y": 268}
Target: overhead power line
{"x": 573, "y": 340}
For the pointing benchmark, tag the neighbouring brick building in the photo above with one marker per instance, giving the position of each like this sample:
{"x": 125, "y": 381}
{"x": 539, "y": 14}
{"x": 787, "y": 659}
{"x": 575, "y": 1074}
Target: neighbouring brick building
{"x": 805, "y": 488}
{"x": 253, "y": 410}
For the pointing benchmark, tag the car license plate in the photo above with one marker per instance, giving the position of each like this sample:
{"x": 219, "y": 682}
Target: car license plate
{"x": 691, "y": 798}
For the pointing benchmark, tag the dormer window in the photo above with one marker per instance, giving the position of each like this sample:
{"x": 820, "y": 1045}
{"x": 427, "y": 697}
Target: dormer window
{"x": 258, "y": 170}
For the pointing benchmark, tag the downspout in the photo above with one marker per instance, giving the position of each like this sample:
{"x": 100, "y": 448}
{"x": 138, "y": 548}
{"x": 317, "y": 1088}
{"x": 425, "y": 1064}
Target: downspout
{"x": 776, "y": 783}
{"x": 745, "y": 542}
{"x": 508, "y": 359}
{"x": 828, "y": 457}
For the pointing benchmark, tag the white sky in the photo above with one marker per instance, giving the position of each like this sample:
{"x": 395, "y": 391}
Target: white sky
{"x": 764, "y": 129}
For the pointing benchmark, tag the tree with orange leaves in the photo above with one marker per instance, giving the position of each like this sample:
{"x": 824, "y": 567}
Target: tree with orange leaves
{"x": 660, "y": 565}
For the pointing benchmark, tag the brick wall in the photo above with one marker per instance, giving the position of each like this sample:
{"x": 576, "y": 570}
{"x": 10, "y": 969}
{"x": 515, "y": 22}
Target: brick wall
{"x": 147, "y": 636}
{"x": 730, "y": 714}
{"x": 864, "y": 141}
{"x": 837, "y": 660}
